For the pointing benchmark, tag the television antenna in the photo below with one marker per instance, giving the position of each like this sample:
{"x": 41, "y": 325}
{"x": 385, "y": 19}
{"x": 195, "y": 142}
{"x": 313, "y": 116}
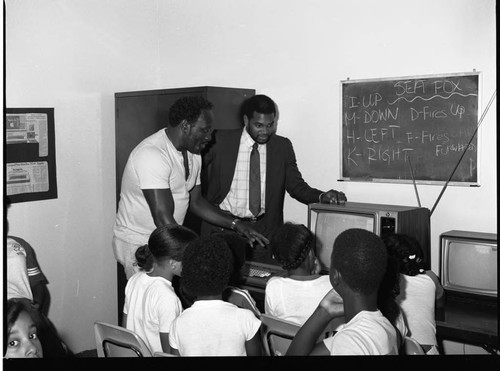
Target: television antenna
{"x": 414, "y": 183}
{"x": 463, "y": 153}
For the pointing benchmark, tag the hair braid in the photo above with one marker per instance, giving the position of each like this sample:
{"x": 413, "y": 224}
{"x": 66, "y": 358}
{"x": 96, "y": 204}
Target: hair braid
{"x": 291, "y": 245}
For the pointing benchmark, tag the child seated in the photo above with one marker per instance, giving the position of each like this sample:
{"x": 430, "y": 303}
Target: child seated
{"x": 419, "y": 290}
{"x": 358, "y": 264}
{"x": 386, "y": 299}
{"x": 211, "y": 326}
{"x": 21, "y": 338}
{"x": 295, "y": 296}
{"x": 25, "y": 278}
{"x": 151, "y": 303}
{"x": 30, "y": 334}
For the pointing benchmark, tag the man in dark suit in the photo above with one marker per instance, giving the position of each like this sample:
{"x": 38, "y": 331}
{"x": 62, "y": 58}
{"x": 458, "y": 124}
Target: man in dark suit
{"x": 226, "y": 166}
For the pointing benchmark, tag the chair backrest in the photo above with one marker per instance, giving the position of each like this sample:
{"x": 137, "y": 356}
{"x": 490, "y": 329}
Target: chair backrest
{"x": 241, "y": 298}
{"x": 412, "y": 347}
{"x": 117, "y": 341}
{"x": 277, "y": 334}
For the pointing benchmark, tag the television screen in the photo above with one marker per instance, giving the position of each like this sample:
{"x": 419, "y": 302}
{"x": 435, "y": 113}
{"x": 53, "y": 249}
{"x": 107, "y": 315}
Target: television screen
{"x": 469, "y": 263}
{"x": 328, "y": 225}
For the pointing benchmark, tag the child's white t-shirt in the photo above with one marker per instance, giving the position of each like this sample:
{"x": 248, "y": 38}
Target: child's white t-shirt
{"x": 417, "y": 301}
{"x": 18, "y": 285}
{"x": 367, "y": 333}
{"x": 151, "y": 305}
{"x": 296, "y": 300}
{"x": 213, "y": 328}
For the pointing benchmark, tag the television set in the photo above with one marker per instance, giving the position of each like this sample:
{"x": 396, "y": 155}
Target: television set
{"x": 468, "y": 264}
{"x": 327, "y": 221}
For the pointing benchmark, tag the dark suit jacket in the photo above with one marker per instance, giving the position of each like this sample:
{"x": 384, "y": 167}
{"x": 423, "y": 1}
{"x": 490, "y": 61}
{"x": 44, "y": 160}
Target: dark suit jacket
{"x": 282, "y": 174}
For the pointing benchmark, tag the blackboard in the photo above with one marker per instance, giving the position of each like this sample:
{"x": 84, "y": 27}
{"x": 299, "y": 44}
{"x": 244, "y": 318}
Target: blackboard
{"x": 400, "y": 129}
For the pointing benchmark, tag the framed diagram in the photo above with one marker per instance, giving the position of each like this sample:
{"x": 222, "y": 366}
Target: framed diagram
{"x": 30, "y": 154}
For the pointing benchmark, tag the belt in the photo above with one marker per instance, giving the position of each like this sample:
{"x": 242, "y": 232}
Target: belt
{"x": 252, "y": 219}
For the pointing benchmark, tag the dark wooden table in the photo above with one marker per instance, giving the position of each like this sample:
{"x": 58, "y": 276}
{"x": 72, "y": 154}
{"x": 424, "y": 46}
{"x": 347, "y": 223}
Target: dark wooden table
{"x": 469, "y": 321}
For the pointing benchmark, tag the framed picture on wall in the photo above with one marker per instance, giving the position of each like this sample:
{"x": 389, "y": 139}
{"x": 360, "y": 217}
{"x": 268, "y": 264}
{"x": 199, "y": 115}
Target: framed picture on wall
{"x": 30, "y": 154}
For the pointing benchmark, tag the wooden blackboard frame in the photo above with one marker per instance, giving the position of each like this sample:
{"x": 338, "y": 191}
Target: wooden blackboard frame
{"x": 368, "y": 88}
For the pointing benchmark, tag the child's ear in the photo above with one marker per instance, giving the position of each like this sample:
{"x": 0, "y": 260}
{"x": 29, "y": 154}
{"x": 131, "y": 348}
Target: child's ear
{"x": 176, "y": 266}
{"x": 335, "y": 277}
{"x": 316, "y": 266}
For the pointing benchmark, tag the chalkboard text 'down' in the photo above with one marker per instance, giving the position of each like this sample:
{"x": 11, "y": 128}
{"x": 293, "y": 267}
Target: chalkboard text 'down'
{"x": 428, "y": 119}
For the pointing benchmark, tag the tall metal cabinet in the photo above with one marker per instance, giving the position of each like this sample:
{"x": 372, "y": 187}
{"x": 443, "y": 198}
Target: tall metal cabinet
{"x": 139, "y": 114}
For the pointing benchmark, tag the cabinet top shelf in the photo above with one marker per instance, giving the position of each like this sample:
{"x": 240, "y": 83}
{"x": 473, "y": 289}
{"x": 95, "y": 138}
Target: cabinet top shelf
{"x": 178, "y": 90}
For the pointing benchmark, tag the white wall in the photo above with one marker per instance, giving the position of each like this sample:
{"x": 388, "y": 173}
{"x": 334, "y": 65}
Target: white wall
{"x": 73, "y": 55}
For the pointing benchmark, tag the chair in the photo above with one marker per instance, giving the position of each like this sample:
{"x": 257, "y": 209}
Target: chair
{"x": 412, "y": 347}
{"x": 241, "y": 298}
{"x": 163, "y": 354}
{"x": 116, "y": 341}
{"x": 277, "y": 334}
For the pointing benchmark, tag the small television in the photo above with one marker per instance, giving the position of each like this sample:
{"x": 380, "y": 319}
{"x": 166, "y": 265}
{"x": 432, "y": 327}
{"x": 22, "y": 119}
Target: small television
{"x": 468, "y": 264}
{"x": 327, "y": 221}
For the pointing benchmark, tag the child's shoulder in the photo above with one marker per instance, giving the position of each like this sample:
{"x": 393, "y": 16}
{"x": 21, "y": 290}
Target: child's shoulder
{"x": 275, "y": 280}
{"x": 13, "y": 246}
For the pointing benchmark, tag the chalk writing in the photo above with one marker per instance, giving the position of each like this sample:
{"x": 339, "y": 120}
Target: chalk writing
{"x": 429, "y": 119}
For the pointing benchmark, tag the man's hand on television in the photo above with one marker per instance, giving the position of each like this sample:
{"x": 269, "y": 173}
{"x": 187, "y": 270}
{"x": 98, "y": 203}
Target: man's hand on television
{"x": 253, "y": 236}
{"x": 333, "y": 197}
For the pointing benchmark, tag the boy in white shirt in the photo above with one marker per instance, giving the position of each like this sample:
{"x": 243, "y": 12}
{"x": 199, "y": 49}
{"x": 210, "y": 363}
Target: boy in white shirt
{"x": 358, "y": 263}
{"x": 211, "y": 326}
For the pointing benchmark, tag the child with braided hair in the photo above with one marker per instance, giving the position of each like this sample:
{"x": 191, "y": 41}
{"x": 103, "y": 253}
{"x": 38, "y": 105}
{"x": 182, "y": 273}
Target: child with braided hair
{"x": 151, "y": 303}
{"x": 420, "y": 290}
{"x": 295, "y": 296}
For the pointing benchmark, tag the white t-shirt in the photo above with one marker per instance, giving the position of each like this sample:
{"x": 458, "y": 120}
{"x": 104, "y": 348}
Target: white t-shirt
{"x": 417, "y": 300}
{"x": 367, "y": 333}
{"x": 18, "y": 285}
{"x": 213, "y": 328}
{"x": 153, "y": 164}
{"x": 295, "y": 300}
{"x": 151, "y": 305}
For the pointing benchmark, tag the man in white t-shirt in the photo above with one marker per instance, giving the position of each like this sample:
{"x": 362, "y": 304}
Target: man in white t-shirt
{"x": 161, "y": 181}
